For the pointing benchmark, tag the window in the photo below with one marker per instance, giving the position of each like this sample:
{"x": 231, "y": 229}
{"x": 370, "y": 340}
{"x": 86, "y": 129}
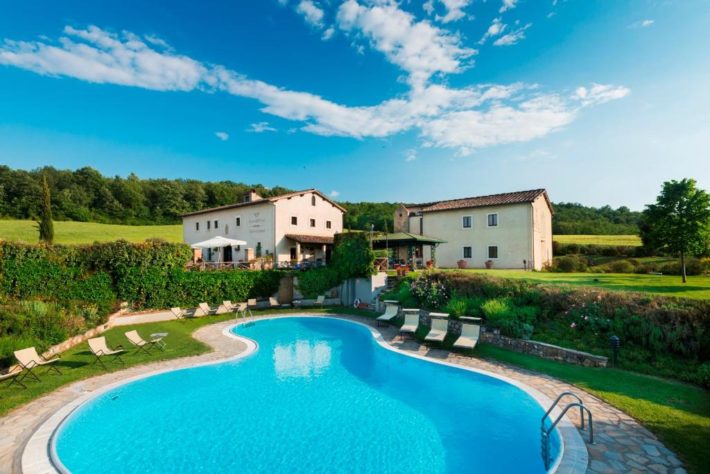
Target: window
{"x": 467, "y": 252}
{"x": 294, "y": 220}
{"x": 208, "y": 225}
{"x": 493, "y": 251}
{"x": 492, "y": 220}
{"x": 313, "y": 200}
{"x": 216, "y": 223}
{"x": 197, "y": 226}
{"x": 238, "y": 221}
{"x": 313, "y": 222}
{"x": 328, "y": 224}
{"x": 466, "y": 222}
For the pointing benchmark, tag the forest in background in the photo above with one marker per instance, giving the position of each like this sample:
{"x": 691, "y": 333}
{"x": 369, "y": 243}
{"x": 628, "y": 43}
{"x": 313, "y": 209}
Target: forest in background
{"x": 85, "y": 195}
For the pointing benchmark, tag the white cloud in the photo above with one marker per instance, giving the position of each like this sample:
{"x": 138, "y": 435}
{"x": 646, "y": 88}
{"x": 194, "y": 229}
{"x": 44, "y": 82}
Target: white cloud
{"x": 513, "y": 37}
{"x": 334, "y": 194}
{"x": 410, "y": 155}
{"x": 642, "y": 23}
{"x": 224, "y": 136}
{"x": 508, "y": 5}
{"x": 95, "y": 55}
{"x": 599, "y": 94}
{"x": 328, "y": 33}
{"x": 418, "y": 47}
{"x": 496, "y": 28}
{"x": 454, "y": 9}
{"x": 260, "y": 127}
{"x": 311, "y": 13}
{"x": 460, "y": 118}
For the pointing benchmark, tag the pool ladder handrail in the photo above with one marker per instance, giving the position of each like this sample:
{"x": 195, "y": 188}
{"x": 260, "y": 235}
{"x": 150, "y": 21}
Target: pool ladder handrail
{"x": 545, "y": 432}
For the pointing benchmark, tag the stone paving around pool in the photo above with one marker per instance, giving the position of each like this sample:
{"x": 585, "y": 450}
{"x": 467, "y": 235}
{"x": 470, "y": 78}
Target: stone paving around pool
{"x": 621, "y": 444}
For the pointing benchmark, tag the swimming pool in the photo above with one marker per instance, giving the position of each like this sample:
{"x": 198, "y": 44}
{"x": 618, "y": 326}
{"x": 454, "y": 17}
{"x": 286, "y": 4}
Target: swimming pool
{"x": 319, "y": 395}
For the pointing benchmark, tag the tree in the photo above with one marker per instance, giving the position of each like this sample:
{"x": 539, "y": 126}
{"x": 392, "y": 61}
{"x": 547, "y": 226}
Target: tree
{"x": 46, "y": 226}
{"x": 679, "y": 221}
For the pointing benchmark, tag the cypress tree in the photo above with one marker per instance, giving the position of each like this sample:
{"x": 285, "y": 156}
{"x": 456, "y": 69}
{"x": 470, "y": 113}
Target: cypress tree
{"x": 46, "y": 226}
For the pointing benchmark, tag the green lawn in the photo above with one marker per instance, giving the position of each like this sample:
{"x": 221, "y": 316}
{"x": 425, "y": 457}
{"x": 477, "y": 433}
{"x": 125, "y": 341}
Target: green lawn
{"x": 613, "y": 240}
{"x": 678, "y": 414}
{"x": 68, "y": 232}
{"x": 668, "y": 285}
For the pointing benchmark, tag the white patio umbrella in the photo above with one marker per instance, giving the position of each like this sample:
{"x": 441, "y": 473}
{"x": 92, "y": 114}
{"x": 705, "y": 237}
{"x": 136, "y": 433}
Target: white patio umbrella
{"x": 218, "y": 241}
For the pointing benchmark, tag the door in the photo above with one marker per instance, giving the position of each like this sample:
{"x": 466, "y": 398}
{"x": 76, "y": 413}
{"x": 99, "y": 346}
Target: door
{"x": 227, "y": 254}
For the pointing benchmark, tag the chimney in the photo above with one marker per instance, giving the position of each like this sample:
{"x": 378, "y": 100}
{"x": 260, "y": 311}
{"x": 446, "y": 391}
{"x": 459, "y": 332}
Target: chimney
{"x": 251, "y": 196}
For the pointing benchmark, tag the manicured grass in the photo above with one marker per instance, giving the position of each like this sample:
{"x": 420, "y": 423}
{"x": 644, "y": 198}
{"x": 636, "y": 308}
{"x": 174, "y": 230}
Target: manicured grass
{"x": 613, "y": 240}
{"x": 668, "y": 285}
{"x": 677, "y": 413}
{"x": 67, "y": 232}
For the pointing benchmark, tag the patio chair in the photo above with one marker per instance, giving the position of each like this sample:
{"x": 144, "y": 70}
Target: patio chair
{"x": 143, "y": 345}
{"x": 411, "y": 321}
{"x": 29, "y": 360}
{"x": 251, "y": 303}
{"x": 274, "y": 303}
{"x": 13, "y": 377}
{"x": 241, "y": 310}
{"x": 100, "y": 350}
{"x": 203, "y": 309}
{"x": 469, "y": 336}
{"x": 439, "y": 327}
{"x": 226, "y": 307}
{"x": 391, "y": 310}
{"x": 180, "y": 313}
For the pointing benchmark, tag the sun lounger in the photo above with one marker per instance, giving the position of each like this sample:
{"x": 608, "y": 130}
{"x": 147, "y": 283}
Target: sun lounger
{"x": 469, "y": 336}
{"x": 251, "y": 303}
{"x": 411, "y": 321}
{"x": 242, "y": 309}
{"x": 143, "y": 345}
{"x": 180, "y": 313}
{"x": 226, "y": 307}
{"x": 203, "y": 309}
{"x": 439, "y": 327}
{"x": 14, "y": 378}
{"x": 100, "y": 350}
{"x": 30, "y": 360}
{"x": 391, "y": 311}
{"x": 274, "y": 303}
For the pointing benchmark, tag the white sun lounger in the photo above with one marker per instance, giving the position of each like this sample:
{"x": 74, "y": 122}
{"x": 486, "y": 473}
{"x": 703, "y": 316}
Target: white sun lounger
{"x": 391, "y": 310}
{"x": 29, "y": 360}
{"x": 100, "y": 349}
{"x": 203, "y": 309}
{"x": 469, "y": 336}
{"x": 14, "y": 378}
{"x": 274, "y": 303}
{"x": 226, "y": 307}
{"x": 180, "y": 313}
{"x": 251, "y": 303}
{"x": 411, "y": 321}
{"x": 143, "y": 345}
{"x": 241, "y": 309}
{"x": 439, "y": 327}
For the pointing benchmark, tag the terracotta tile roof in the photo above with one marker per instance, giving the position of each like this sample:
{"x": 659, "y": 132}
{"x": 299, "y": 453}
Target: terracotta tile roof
{"x": 264, "y": 200}
{"x": 310, "y": 239}
{"x": 486, "y": 201}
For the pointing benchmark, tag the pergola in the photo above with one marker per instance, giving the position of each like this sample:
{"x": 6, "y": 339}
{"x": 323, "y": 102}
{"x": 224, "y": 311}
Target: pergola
{"x": 218, "y": 242}
{"x": 407, "y": 247}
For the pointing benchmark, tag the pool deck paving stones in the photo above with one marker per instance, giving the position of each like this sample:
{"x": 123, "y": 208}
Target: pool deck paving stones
{"x": 621, "y": 444}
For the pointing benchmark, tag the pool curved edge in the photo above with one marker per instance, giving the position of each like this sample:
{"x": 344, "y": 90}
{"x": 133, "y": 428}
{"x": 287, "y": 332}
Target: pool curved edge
{"x": 39, "y": 454}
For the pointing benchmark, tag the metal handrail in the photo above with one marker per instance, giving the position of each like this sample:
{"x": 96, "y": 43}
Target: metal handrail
{"x": 545, "y": 432}
{"x": 554, "y": 404}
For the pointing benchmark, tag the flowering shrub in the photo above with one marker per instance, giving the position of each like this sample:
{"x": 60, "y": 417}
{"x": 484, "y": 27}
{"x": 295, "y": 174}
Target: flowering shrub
{"x": 430, "y": 291}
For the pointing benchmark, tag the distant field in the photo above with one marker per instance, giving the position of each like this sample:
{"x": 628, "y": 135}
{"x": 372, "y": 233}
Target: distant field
{"x": 698, "y": 287}
{"x": 614, "y": 240}
{"x": 88, "y": 232}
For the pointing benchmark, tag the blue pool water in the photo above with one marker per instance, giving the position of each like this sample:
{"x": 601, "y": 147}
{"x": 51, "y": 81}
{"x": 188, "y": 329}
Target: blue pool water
{"x": 319, "y": 395}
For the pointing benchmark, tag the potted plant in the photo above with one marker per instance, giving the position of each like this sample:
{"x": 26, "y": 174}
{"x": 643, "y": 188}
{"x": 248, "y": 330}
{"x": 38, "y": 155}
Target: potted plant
{"x": 462, "y": 263}
{"x": 489, "y": 264}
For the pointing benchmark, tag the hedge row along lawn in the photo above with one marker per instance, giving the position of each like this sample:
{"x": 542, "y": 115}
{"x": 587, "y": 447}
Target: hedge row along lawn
{"x": 677, "y": 413}
{"x": 698, "y": 287}
{"x": 606, "y": 240}
{"x": 68, "y": 232}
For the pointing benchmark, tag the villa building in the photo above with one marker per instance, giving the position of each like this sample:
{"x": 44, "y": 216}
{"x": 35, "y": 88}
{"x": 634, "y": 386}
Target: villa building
{"x": 510, "y": 230}
{"x": 290, "y": 228}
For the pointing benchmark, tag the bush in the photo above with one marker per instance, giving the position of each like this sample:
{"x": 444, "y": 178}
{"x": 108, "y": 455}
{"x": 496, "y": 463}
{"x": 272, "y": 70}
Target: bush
{"x": 693, "y": 266}
{"x": 456, "y": 307}
{"x": 317, "y": 281}
{"x": 429, "y": 291}
{"x": 703, "y": 375}
{"x": 621, "y": 266}
{"x": 569, "y": 264}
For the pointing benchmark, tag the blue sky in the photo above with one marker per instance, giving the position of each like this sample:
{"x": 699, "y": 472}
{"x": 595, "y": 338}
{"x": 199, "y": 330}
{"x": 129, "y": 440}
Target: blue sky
{"x": 597, "y": 101}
